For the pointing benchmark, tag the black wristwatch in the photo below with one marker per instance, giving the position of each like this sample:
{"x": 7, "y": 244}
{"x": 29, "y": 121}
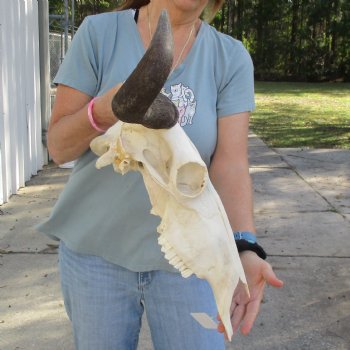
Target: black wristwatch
{"x": 247, "y": 241}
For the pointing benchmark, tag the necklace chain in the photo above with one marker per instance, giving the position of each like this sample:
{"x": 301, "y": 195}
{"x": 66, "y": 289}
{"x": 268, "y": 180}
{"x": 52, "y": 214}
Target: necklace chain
{"x": 184, "y": 47}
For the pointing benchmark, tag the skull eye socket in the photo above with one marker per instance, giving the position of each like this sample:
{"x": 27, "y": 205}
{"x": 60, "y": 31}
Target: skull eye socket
{"x": 190, "y": 179}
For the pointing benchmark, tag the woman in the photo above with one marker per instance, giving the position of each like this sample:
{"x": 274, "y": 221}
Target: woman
{"x": 110, "y": 262}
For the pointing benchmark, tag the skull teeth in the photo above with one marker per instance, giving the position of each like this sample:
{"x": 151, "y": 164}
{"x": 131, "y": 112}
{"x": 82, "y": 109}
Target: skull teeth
{"x": 179, "y": 265}
{"x": 165, "y": 246}
{"x": 162, "y": 240}
{"x": 186, "y": 272}
{"x": 173, "y": 258}
{"x": 170, "y": 254}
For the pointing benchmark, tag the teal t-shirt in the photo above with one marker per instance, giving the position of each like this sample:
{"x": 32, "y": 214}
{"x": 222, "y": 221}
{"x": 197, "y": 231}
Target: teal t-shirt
{"x": 101, "y": 212}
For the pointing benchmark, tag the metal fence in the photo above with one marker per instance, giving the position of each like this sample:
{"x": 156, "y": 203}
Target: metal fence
{"x": 21, "y": 148}
{"x": 61, "y": 27}
{"x": 26, "y": 85}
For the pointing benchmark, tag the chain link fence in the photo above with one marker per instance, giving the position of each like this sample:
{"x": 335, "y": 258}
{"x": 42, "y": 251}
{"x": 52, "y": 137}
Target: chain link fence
{"x": 57, "y": 51}
{"x": 60, "y": 38}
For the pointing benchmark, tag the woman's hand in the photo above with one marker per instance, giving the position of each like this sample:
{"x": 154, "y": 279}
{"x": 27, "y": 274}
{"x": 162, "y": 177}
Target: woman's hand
{"x": 103, "y": 107}
{"x": 244, "y": 309}
{"x": 70, "y": 131}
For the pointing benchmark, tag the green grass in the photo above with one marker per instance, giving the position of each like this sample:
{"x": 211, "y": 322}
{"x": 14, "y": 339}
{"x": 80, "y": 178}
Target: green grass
{"x": 303, "y": 114}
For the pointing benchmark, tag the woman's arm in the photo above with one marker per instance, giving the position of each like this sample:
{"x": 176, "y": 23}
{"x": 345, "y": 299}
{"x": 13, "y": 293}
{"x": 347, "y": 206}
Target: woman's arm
{"x": 229, "y": 171}
{"x": 70, "y": 132}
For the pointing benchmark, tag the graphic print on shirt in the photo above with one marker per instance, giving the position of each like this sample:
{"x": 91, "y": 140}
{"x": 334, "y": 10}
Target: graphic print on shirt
{"x": 183, "y": 98}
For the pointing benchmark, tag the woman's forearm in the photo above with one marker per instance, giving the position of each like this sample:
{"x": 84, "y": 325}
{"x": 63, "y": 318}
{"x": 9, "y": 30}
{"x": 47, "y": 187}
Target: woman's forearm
{"x": 70, "y": 131}
{"x": 234, "y": 186}
{"x": 70, "y": 137}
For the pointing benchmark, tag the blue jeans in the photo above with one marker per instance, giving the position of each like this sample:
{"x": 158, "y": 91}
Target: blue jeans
{"x": 105, "y": 303}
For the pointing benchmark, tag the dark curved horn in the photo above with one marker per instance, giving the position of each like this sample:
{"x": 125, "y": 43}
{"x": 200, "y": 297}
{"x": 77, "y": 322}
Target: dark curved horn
{"x": 139, "y": 100}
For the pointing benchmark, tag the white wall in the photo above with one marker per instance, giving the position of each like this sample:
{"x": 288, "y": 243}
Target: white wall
{"x": 21, "y": 150}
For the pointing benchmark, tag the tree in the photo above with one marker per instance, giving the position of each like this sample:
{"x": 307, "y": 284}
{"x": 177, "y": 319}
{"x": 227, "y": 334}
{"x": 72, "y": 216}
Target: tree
{"x": 292, "y": 39}
{"x": 306, "y": 40}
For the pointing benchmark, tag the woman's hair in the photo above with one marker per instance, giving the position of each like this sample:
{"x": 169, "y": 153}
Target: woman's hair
{"x": 209, "y": 12}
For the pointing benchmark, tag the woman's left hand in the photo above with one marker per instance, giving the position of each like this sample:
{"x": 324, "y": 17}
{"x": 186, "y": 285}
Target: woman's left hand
{"x": 244, "y": 308}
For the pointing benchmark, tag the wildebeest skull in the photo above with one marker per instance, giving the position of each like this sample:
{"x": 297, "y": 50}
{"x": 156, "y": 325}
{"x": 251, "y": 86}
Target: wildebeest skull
{"x": 195, "y": 234}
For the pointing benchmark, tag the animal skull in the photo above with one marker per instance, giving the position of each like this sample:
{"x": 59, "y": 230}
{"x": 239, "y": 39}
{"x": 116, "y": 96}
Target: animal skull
{"x": 195, "y": 234}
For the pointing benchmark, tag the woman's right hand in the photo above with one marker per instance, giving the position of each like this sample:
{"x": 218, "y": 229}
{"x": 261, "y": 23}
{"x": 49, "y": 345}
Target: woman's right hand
{"x": 70, "y": 132}
{"x": 102, "y": 112}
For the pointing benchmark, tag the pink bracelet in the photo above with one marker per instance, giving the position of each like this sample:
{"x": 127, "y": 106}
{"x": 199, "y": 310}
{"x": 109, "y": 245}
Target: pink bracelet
{"x": 91, "y": 118}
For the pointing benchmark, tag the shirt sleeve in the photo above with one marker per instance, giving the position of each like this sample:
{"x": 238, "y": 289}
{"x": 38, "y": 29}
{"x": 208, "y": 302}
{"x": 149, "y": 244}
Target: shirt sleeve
{"x": 79, "y": 68}
{"x": 236, "y": 94}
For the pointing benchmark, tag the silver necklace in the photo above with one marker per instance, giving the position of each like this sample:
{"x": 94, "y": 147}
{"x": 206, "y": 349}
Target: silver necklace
{"x": 184, "y": 47}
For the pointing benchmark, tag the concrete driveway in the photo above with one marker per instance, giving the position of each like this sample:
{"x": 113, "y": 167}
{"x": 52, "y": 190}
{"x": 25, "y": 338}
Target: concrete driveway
{"x": 303, "y": 218}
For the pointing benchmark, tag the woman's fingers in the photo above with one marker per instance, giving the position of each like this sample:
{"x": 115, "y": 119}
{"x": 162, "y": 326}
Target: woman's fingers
{"x": 237, "y": 316}
{"x": 270, "y": 277}
{"x": 250, "y": 316}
